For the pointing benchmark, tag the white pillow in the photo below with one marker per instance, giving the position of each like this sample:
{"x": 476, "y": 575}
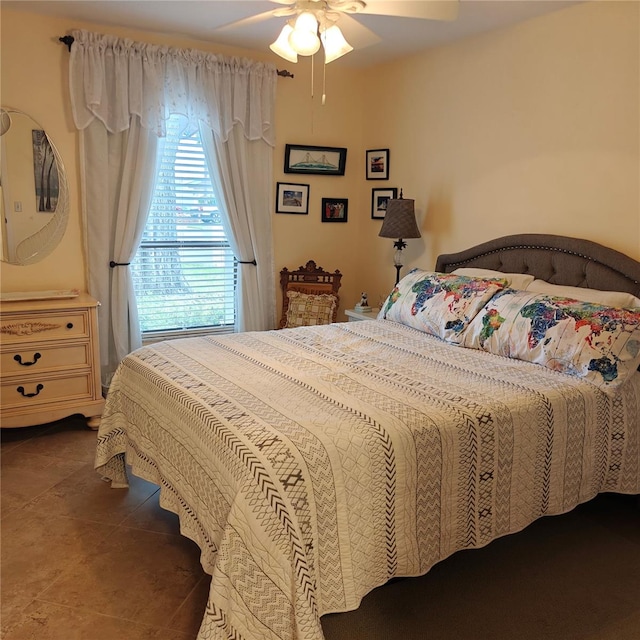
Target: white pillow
{"x": 618, "y": 299}
{"x": 514, "y": 280}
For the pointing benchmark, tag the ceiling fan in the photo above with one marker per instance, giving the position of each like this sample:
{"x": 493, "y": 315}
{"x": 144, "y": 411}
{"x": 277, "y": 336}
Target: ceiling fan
{"x": 314, "y": 23}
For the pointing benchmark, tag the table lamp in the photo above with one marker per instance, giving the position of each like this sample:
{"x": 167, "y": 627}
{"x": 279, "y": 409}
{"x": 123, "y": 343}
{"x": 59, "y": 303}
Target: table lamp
{"x": 399, "y": 222}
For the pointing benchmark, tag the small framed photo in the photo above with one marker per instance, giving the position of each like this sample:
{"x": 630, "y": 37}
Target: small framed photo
{"x": 327, "y": 161}
{"x": 378, "y": 164}
{"x": 379, "y": 200}
{"x": 292, "y": 198}
{"x": 334, "y": 209}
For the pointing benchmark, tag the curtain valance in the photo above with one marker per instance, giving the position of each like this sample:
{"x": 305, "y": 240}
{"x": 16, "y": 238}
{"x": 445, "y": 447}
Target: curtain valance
{"x": 114, "y": 78}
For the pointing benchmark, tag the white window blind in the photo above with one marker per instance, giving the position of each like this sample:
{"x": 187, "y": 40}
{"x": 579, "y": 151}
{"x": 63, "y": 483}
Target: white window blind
{"x": 184, "y": 272}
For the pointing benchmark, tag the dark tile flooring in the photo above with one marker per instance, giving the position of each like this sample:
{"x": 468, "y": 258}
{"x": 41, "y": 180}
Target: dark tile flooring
{"x": 83, "y": 561}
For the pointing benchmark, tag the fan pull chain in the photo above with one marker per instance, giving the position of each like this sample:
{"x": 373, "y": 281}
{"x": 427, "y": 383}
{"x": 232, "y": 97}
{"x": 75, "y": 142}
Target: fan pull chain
{"x": 313, "y": 60}
{"x": 324, "y": 83}
{"x": 313, "y": 106}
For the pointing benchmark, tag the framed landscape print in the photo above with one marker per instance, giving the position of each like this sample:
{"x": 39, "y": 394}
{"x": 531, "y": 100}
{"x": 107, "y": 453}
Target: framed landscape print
{"x": 327, "y": 161}
{"x": 292, "y": 198}
{"x": 378, "y": 164}
{"x": 379, "y": 200}
{"x": 334, "y": 209}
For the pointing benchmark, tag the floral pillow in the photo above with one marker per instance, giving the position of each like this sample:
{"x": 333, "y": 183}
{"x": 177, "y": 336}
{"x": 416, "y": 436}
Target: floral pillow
{"x": 441, "y": 304}
{"x": 591, "y": 341}
{"x": 306, "y": 309}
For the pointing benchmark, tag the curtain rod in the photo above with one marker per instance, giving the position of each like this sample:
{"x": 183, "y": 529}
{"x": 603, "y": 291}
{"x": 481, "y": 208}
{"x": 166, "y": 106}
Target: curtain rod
{"x": 68, "y": 40}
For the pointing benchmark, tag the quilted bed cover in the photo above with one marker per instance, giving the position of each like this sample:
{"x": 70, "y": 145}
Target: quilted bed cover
{"x": 312, "y": 465}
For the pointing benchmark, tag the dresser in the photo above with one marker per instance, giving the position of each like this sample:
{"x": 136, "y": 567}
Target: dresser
{"x": 50, "y": 361}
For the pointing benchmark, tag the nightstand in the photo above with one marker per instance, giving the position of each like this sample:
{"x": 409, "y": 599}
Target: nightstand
{"x": 355, "y": 315}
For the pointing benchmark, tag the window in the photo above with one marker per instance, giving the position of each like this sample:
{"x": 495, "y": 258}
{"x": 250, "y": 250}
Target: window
{"x": 184, "y": 273}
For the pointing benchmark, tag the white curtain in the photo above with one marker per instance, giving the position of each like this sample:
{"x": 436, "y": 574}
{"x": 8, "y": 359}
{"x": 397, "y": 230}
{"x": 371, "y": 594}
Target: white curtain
{"x": 122, "y": 93}
{"x": 117, "y": 183}
{"x": 242, "y": 177}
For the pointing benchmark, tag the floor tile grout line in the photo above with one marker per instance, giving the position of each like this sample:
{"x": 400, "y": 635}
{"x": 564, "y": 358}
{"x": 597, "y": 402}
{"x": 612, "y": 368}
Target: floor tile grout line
{"x": 53, "y": 486}
{"x": 72, "y": 566}
{"x": 100, "y": 613}
{"x": 204, "y": 578}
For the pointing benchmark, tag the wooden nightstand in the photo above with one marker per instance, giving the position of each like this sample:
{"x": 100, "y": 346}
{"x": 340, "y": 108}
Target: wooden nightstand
{"x": 355, "y": 315}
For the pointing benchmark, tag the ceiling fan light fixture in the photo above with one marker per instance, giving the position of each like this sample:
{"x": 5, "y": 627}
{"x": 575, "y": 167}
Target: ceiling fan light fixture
{"x": 303, "y": 39}
{"x": 306, "y": 21}
{"x": 334, "y": 44}
{"x": 282, "y": 47}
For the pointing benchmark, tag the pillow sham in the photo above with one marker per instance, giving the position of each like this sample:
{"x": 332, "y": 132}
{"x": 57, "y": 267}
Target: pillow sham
{"x": 608, "y": 298}
{"x": 514, "y": 280}
{"x": 583, "y": 339}
{"x": 441, "y": 304}
{"x": 305, "y": 309}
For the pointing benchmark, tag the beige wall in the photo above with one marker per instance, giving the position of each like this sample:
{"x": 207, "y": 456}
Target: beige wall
{"x": 34, "y": 79}
{"x": 533, "y": 128}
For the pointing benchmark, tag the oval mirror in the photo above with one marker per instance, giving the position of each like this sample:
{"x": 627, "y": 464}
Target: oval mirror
{"x": 34, "y": 195}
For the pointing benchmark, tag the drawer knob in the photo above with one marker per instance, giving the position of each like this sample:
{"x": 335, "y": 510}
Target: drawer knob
{"x": 36, "y": 357}
{"x": 39, "y": 388}
{"x": 69, "y": 325}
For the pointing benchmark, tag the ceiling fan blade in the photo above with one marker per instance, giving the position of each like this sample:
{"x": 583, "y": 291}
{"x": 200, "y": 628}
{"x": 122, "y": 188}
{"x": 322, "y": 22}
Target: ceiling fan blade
{"x": 249, "y": 20}
{"x": 356, "y": 33}
{"x": 422, "y": 9}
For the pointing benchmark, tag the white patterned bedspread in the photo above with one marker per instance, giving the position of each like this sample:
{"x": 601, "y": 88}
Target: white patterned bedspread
{"x": 312, "y": 465}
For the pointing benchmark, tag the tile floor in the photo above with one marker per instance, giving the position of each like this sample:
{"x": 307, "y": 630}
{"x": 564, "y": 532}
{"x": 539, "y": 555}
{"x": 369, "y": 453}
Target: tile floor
{"x": 82, "y": 560}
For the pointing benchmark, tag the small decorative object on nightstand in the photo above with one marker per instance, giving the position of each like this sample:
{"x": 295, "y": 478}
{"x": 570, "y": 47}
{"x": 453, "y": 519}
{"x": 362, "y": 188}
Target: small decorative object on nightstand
{"x": 363, "y": 305}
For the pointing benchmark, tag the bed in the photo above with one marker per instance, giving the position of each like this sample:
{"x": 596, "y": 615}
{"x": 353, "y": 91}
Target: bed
{"x": 312, "y": 465}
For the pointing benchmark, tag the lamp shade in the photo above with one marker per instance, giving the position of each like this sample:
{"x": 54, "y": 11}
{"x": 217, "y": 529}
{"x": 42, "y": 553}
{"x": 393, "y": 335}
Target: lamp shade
{"x": 304, "y": 37}
{"x": 282, "y": 47}
{"x": 400, "y": 220}
{"x": 335, "y": 46}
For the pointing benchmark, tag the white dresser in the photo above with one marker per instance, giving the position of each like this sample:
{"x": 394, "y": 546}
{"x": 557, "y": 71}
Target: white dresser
{"x": 50, "y": 361}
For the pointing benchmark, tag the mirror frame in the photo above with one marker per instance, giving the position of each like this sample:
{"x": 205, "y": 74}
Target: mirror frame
{"x": 42, "y": 242}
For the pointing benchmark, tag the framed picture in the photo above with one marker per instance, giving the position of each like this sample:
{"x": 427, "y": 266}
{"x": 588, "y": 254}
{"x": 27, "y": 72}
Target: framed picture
{"x": 45, "y": 171}
{"x": 334, "y": 209}
{"x": 378, "y": 164}
{"x": 292, "y": 198}
{"x": 328, "y": 161}
{"x": 379, "y": 200}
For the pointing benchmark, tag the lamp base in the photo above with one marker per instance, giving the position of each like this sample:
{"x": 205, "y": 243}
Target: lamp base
{"x": 398, "y": 267}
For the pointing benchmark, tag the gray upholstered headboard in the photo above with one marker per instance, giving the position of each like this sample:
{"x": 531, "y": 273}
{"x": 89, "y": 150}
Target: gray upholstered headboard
{"x": 556, "y": 259}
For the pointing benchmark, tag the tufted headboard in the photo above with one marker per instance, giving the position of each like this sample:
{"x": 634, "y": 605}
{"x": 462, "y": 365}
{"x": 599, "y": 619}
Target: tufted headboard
{"x": 556, "y": 259}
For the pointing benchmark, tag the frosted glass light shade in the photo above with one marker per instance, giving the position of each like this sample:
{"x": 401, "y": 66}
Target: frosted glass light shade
{"x": 304, "y": 37}
{"x": 334, "y": 44}
{"x": 306, "y": 21}
{"x": 282, "y": 47}
{"x": 306, "y": 43}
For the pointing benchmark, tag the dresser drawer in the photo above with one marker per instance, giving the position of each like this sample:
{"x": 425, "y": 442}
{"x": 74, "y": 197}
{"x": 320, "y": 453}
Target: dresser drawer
{"x": 33, "y": 390}
{"x": 26, "y": 359}
{"x": 42, "y": 327}
{"x": 49, "y": 360}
